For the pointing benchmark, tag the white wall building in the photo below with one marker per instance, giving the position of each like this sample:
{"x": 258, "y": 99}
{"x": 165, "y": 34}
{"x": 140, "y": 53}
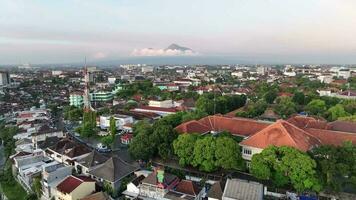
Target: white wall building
{"x": 120, "y": 120}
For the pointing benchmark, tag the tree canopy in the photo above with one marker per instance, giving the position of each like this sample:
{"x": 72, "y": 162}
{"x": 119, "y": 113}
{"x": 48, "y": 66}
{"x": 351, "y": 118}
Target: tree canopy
{"x": 286, "y": 165}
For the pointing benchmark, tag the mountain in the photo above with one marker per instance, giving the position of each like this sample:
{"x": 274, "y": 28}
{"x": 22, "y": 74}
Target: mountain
{"x": 177, "y": 47}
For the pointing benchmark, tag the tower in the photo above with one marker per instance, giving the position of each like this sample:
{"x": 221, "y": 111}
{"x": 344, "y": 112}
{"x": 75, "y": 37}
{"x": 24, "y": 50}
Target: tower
{"x": 86, "y": 98}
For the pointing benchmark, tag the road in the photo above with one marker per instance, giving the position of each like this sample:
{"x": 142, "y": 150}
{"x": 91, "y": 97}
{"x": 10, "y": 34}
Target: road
{"x": 2, "y": 156}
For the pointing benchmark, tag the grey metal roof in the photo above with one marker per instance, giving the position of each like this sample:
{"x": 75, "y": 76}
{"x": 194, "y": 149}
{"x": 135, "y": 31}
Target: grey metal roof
{"x": 243, "y": 190}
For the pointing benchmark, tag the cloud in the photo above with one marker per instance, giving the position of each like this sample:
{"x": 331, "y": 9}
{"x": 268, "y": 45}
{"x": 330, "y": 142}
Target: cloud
{"x": 162, "y": 52}
{"x": 100, "y": 55}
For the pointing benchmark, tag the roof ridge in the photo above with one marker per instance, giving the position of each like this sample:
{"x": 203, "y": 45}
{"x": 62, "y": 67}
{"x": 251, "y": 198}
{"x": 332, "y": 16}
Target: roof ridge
{"x": 300, "y": 129}
{"x": 286, "y": 131}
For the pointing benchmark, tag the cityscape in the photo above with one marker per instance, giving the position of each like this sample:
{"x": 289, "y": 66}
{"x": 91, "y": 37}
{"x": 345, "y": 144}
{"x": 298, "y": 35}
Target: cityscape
{"x": 205, "y": 108}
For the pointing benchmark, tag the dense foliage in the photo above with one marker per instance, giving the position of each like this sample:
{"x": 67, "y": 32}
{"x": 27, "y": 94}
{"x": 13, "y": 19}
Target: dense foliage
{"x": 284, "y": 166}
{"x": 208, "y": 153}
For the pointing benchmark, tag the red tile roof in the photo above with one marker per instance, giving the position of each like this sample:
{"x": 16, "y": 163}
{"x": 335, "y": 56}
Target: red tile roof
{"x": 156, "y": 109}
{"x": 308, "y": 122}
{"x": 187, "y": 187}
{"x": 329, "y": 137}
{"x": 71, "y": 183}
{"x": 344, "y": 126}
{"x": 235, "y": 125}
{"x": 282, "y": 133}
{"x": 192, "y": 127}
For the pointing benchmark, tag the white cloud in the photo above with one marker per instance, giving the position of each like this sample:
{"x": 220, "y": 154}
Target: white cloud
{"x": 162, "y": 52}
{"x": 100, "y": 55}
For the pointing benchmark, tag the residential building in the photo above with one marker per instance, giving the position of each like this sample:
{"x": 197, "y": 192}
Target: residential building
{"x": 157, "y": 184}
{"x": 89, "y": 162}
{"x": 45, "y": 132}
{"x": 157, "y": 110}
{"x": 67, "y": 151}
{"x": 185, "y": 189}
{"x": 215, "y": 192}
{"x": 112, "y": 171}
{"x": 120, "y": 121}
{"x": 237, "y": 189}
{"x": 52, "y": 175}
{"x": 97, "y": 196}
{"x": 75, "y": 188}
{"x": 161, "y": 104}
{"x": 126, "y": 138}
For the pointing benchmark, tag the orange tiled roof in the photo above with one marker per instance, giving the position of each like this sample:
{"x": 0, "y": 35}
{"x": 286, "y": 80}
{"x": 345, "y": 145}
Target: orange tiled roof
{"x": 235, "y": 125}
{"x": 282, "y": 133}
{"x": 308, "y": 122}
{"x": 329, "y": 137}
{"x": 192, "y": 127}
{"x": 187, "y": 187}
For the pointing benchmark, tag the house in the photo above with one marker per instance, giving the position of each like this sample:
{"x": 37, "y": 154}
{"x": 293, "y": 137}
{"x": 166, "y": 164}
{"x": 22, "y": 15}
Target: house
{"x": 215, "y": 192}
{"x": 74, "y": 188}
{"x": 90, "y": 161}
{"x": 24, "y": 145}
{"x": 28, "y": 167}
{"x": 161, "y": 104}
{"x": 157, "y": 184}
{"x": 186, "y": 189}
{"x": 120, "y": 121}
{"x": 97, "y": 196}
{"x": 112, "y": 171}
{"x": 67, "y": 151}
{"x": 52, "y": 175}
{"x": 237, "y": 189}
{"x": 44, "y": 132}
{"x": 158, "y": 110}
{"x": 126, "y": 138}
{"x": 280, "y": 133}
{"x": 132, "y": 189}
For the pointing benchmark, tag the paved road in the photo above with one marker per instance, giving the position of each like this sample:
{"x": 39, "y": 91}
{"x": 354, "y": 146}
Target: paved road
{"x": 2, "y": 156}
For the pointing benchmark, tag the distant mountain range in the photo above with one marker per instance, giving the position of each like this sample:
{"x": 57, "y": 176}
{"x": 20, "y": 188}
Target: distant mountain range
{"x": 177, "y": 47}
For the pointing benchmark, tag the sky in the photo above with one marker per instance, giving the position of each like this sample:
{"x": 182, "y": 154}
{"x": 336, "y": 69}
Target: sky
{"x": 305, "y": 31}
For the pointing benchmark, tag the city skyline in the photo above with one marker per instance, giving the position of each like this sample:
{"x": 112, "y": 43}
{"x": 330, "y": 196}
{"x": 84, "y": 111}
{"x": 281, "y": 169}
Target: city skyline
{"x": 314, "y": 31}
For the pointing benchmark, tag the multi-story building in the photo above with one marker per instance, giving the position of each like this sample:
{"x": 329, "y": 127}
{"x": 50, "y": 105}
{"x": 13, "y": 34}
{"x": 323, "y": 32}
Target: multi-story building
{"x": 52, "y": 175}
{"x": 76, "y": 99}
{"x": 4, "y": 78}
{"x": 101, "y": 96}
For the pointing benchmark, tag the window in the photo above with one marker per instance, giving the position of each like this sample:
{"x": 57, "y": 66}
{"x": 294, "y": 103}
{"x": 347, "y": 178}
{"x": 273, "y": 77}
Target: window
{"x": 247, "y": 151}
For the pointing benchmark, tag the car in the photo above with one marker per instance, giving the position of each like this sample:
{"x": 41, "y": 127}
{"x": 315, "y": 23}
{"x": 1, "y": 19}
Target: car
{"x": 102, "y": 148}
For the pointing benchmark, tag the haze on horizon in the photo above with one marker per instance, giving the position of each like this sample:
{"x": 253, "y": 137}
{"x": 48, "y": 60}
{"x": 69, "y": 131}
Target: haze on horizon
{"x": 304, "y": 31}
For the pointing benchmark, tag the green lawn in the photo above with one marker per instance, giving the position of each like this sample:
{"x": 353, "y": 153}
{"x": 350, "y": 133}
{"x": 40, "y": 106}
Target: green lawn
{"x": 14, "y": 191}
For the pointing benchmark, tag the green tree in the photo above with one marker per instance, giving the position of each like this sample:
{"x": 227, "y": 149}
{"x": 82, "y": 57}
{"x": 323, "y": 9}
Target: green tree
{"x": 279, "y": 163}
{"x": 184, "y": 148}
{"x": 299, "y": 98}
{"x": 140, "y": 147}
{"x": 285, "y": 107}
{"x": 228, "y": 154}
{"x": 350, "y": 106}
{"x": 204, "y": 154}
{"x": 37, "y": 186}
{"x": 87, "y": 130}
{"x": 163, "y": 136}
{"x": 107, "y": 140}
{"x": 316, "y": 107}
{"x": 336, "y": 166}
{"x": 270, "y": 96}
{"x": 336, "y": 112}
{"x": 113, "y": 126}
